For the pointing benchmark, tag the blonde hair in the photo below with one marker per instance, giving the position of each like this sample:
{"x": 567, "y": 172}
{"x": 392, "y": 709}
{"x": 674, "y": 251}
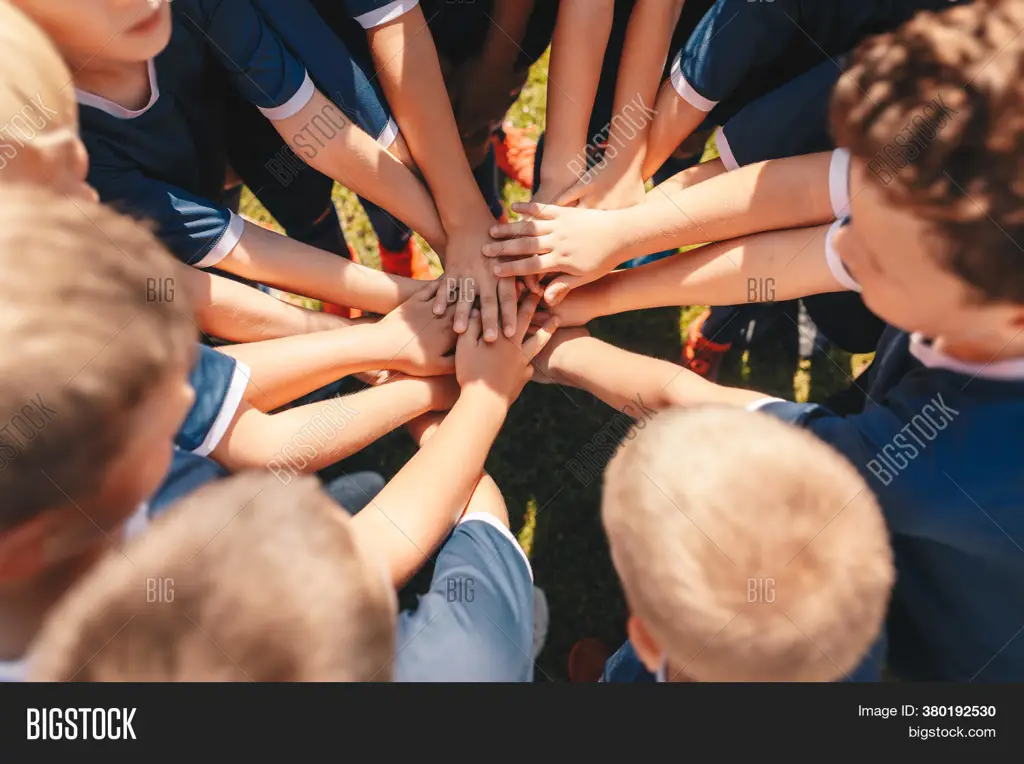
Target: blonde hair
{"x": 91, "y": 323}
{"x": 247, "y": 579}
{"x": 749, "y": 549}
{"x": 37, "y": 103}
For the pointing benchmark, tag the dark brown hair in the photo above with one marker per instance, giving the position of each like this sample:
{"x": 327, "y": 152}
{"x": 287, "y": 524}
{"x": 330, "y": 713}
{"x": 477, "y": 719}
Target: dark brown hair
{"x": 936, "y": 110}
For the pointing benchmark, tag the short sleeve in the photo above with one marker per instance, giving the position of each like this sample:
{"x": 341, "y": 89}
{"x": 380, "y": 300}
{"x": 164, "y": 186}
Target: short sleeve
{"x": 188, "y": 473}
{"x": 219, "y": 382}
{"x": 257, "y": 61}
{"x": 197, "y": 231}
{"x": 732, "y": 39}
{"x": 476, "y": 622}
{"x": 373, "y": 13}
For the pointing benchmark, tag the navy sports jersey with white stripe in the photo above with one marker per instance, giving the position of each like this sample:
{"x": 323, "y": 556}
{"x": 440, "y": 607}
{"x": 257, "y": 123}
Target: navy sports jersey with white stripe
{"x": 166, "y": 162}
{"x": 219, "y": 382}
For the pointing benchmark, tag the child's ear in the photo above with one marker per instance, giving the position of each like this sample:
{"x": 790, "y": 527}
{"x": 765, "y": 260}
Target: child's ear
{"x": 644, "y": 645}
{"x": 23, "y": 550}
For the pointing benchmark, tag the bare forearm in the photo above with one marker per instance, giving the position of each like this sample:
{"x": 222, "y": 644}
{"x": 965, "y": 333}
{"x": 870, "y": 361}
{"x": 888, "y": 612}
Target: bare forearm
{"x": 352, "y": 157}
{"x": 637, "y": 385}
{"x": 674, "y": 121}
{"x": 308, "y": 438}
{"x": 780, "y": 265}
{"x": 423, "y": 109}
{"x": 577, "y": 53}
{"x": 643, "y": 61}
{"x": 405, "y": 523}
{"x": 270, "y": 258}
{"x": 283, "y": 370}
{"x": 239, "y": 313}
{"x": 767, "y": 196}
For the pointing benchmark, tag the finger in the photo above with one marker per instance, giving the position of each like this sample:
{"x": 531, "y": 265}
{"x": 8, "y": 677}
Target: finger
{"x": 528, "y": 245}
{"x": 489, "y": 315}
{"x": 526, "y": 266}
{"x": 520, "y": 288}
{"x": 462, "y": 311}
{"x": 472, "y": 334}
{"x": 440, "y": 300}
{"x": 572, "y": 195}
{"x": 535, "y": 211}
{"x": 429, "y": 292}
{"x": 532, "y": 282}
{"x": 443, "y": 365}
{"x": 540, "y": 318}
{"x": 516, "y": 229}
{"x": 533, "y": 346}
{"x": 560, "y": 287}
{"x": 508, "y": 300}
{"x": 526, "y": 311}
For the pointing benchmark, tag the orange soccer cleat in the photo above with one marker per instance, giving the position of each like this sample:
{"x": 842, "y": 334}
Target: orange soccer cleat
{"x": 700, "y": 354}
{"x": 516, "y": 154}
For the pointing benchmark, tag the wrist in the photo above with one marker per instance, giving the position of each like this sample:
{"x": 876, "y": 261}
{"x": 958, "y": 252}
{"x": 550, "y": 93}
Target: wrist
{"x": 485, "y": 398}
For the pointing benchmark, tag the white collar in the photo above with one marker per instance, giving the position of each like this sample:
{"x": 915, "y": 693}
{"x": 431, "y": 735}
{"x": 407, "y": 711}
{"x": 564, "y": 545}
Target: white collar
{"x": 933, "y": 358}
{"x": 116, "y": 110}
{"x": 13, "y": 671}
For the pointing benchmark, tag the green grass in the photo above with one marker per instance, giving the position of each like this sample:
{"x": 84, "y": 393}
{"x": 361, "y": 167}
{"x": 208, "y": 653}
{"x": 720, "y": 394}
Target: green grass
{"x": 555, "y": 514}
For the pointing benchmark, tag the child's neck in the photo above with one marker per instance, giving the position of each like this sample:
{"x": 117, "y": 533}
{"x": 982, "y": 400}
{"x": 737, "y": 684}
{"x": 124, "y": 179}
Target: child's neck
{"x": 980, "y": 350}
{"x": 126, "y": 84}
{"x": 25, "y": 604}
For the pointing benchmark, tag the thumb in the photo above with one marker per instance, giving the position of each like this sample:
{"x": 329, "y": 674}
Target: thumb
{"x": 560, "y": 287}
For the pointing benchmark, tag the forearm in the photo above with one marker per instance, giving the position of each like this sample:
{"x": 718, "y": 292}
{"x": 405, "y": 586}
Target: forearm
{"x": 285, "y": 369}
{"x": 349, "y": 155}
{"x": 233, "y": 311}
{"x": 638, "y": 385}
{"x": 767, "y": 267}
{"x": 423, "y": 109}
{"x": 674, "y": 121}
{"x": 767, "y": 196}
{"x": 644, "y": 54}
{"x": 404, "y": 522}
{"x": 577, "y": 54}
{"x": 309, "y": 438}
{"x": 269, "y": 258}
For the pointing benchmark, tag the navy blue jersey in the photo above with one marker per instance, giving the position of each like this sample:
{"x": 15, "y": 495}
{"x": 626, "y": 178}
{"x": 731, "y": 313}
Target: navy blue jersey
{"x": 219, "y": 381}
{"x": 737, "y": 37}
{"x": 939, "y": 442}
{"x": 166, "y": 162}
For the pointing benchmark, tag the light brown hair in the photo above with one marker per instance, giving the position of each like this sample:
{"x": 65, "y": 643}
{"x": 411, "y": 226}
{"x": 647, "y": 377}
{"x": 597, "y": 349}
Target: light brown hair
{"x": 749, "y": 549}
{"x": 91, "y": 323}
{"x": 247, "y": 579}
{"x": 936, "y": 110}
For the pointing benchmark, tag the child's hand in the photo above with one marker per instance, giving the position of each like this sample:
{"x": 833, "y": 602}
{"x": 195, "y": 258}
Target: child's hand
{"x": 547, "y": 361}
{"x": 577, "y": 244}
{"x": 504, "y": 366}
{"x": 415, "y": 339}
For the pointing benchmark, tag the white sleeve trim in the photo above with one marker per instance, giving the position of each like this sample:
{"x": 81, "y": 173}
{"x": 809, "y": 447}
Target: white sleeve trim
{"x": 227, "y": 242}
{"x": 835, "y": 263}
{"x": 725, "y": 150}
{"x": 685, "y": 89}
{"x": 495, "y": 523}
{"x": 389, "y": 12}
{"x": 228, "y": 409}
{"x": 389, "y": 134}
{"x": 293, "y": 105}
{"x": 839, "y": 182}
{"x": 762, "y": 402}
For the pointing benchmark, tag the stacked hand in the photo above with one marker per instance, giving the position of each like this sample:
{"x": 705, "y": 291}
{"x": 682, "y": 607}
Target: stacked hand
{"x": 418, "y": 341}
{"x": 501, "y": 368}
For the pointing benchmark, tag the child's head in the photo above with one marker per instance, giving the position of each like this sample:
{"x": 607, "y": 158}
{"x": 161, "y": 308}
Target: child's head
{"x": 760, "y": 555}
{"x": 933, "y": 114}
{"x": 103, "y": 31}
{"x": 38, "y": 116}
{"x": 97, "y": 347}
{"x": 246, "y": 579}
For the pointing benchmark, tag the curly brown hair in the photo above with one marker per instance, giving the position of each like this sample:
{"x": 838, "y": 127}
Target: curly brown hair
{"x": 936, "y": 110}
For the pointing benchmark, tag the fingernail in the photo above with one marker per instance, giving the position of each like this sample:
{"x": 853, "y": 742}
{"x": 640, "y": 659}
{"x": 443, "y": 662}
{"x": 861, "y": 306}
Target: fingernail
{"x": 509, "y": 331}
{"x": 492, "y": 335}
{"x": 497, "y": 270}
